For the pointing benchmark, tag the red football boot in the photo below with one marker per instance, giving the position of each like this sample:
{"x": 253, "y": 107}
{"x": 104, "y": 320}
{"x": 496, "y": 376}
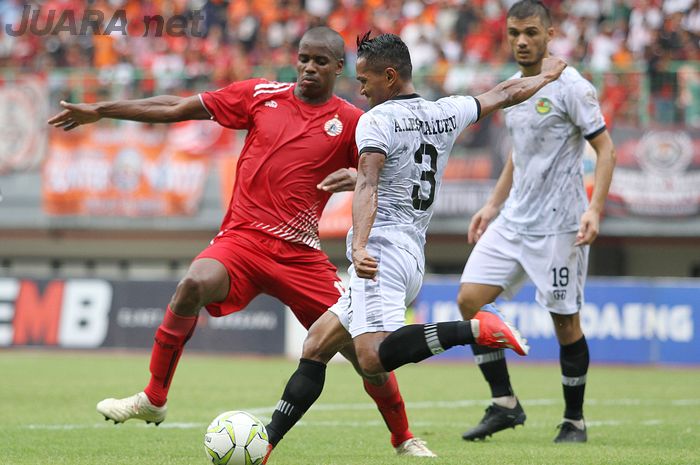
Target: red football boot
{"x": 495, "y": 331}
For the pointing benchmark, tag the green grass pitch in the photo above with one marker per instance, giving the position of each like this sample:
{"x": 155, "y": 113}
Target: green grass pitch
{"x": 636, "y": 415}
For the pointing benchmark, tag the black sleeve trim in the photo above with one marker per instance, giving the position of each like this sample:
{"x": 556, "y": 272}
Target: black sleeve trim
{"x": 373, "y": 149}
{"x": 594, "y": 134}
{"x": 478, "y": 109}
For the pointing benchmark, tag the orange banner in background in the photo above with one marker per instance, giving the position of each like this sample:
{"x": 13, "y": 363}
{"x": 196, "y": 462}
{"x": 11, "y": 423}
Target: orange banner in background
{"x": 132, "y": 170}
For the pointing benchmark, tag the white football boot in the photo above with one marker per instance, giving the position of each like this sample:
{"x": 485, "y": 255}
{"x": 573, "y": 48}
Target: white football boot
{"x": 414, "y": 447}
{"x": 137, "y": 406}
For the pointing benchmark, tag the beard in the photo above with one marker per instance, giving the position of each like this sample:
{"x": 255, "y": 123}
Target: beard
{"x": 532, "y": 61}
{"x": 527, "y": 63}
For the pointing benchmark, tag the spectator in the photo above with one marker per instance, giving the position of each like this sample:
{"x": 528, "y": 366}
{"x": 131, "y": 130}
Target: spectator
{"x": 603, "y": 47}
{"x": 644, "y": 19}
{"x": 445, "y": 36}
{"x": 691, "y": 21}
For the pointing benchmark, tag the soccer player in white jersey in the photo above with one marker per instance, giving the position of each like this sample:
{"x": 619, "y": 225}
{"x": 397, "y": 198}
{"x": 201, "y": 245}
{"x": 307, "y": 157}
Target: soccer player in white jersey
{"x": 404, "y": 142}
{"x": 546, "y": 225}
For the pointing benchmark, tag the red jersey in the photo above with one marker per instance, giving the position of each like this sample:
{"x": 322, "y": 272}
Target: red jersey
{"x": 291, "y": 146}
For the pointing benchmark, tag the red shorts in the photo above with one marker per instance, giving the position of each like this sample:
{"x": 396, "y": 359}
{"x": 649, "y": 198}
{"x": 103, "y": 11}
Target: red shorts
{"x": 301, "y": 277}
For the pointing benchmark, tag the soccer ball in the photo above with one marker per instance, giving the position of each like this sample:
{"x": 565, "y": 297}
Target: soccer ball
{"x": 236, "y": 438}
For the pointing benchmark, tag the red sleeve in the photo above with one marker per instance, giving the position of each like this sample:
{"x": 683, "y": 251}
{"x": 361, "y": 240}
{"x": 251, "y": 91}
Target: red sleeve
{"x": 230, "y": 105}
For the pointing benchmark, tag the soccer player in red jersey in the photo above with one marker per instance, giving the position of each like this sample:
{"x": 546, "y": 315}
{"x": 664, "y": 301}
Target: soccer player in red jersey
{"x": 297, "y": 152}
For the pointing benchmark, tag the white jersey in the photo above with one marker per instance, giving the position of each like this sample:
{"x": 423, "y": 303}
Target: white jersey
{"x": 416, "y": 135}
{"x": 548, "y": 132}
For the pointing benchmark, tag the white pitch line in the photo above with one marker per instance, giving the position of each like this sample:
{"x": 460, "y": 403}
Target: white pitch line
{"x": 685, "y": 402}
{"x": 485, "y": 403}
{"x": 62, "y": 427}
{"x": 265, "y": 412}
{"x": 173, "y": 425}
{"x": 363, "y": 424}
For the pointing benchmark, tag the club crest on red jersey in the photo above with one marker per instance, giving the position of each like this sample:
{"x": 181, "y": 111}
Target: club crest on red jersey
{"x": 333, "y": 126}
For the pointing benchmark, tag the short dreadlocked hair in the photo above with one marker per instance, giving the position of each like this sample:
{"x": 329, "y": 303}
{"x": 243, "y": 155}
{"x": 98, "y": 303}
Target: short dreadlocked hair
{"x": 385, "y": 51}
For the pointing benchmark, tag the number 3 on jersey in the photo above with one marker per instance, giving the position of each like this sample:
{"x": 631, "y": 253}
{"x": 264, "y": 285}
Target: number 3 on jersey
{"x": 429, "y": 176}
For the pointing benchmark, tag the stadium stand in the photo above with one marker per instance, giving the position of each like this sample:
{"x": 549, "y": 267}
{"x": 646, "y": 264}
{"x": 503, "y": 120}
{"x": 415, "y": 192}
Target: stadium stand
{"x": 642, "y": 55}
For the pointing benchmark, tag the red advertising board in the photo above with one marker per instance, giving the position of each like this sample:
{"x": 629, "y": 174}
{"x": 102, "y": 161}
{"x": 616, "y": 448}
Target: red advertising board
{"x": 657, "y": 174}
{"x": 96, "y": 313}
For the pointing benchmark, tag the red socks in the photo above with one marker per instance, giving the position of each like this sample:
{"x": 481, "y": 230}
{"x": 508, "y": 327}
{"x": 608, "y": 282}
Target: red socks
{"x": 176, "y": 330}
{"x": 171, "y": 336}
{"x": 390, "y": 403}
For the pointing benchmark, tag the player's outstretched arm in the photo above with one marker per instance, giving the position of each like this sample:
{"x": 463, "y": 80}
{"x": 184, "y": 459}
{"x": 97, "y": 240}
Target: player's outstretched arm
{"x": 515, "y": 91}
{"x": 158, "y": 109}
{"x": 605, "y": 164}
{"x": 364, "y": 210}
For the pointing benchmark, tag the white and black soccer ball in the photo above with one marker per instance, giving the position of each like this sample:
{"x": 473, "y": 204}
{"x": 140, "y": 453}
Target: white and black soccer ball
{"x": 236, "y": 438}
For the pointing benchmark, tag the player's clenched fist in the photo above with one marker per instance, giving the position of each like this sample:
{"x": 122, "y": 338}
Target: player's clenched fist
{"x": 366, "y": 266}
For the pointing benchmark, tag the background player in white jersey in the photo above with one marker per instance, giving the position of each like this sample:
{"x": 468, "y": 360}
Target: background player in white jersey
{"x": 404, "y": 142}
{"x": 546, "y": 225}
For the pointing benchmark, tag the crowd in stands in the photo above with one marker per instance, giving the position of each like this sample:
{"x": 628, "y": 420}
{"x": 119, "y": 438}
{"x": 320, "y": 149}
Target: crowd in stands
{"x": 452, "y": 42}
